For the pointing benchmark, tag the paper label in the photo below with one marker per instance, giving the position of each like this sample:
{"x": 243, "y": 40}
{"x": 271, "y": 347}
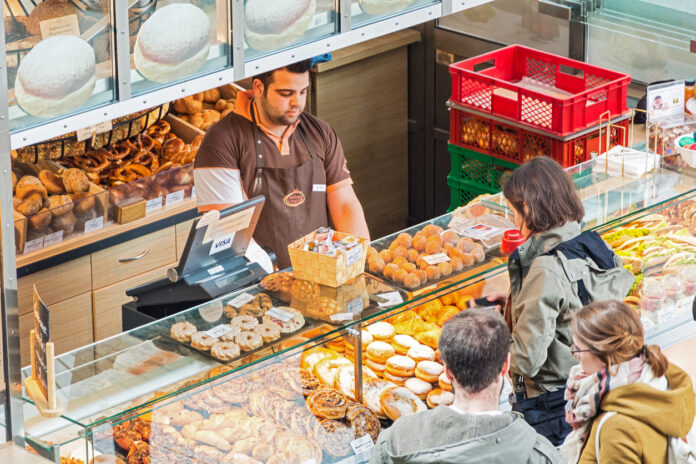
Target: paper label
{"x": 52, "y": 239}
{"x": 219, "y": 331}
{"x": 355, "y": 305}
{"x": 279, "y": 314}
{"x": 319, "y": 188}
{"x": 338, "y": 317}
{"x": 33, "y": 245}
{"x": 353, "y": 254}
{"x": 85, "y": 133}
{"x": 240, "y": 300}
{"x": 193, "y": 192}
{"x": 102, "y": 127}
{"x": 362, "y": 444}
{"x": 647, "y": 323}
{"x": 63, "y": 25}
{"x": 392, "y": 298}
{"x": 215, "y": 270}
{"x": 436, "y": 258}
{"x": 221, "y": 244}
{"x": 174, "y": 198}
{"x": 480, "y": 231}
{"x": 666, "y": 314}
{"x": 153, "y": 205}
{"x": 94, "y": 224}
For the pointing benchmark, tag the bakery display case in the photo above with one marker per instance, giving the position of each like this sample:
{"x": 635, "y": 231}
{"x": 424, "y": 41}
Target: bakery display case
{"x": 364, "y": 12}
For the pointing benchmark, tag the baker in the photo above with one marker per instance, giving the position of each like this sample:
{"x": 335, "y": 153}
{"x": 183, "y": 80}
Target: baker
{"x": 268, "y": 146}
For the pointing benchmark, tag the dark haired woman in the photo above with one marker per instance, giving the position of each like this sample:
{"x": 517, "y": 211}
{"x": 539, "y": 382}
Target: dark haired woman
{"x": 553, "y": 274}
{"x": 637, "y": 396}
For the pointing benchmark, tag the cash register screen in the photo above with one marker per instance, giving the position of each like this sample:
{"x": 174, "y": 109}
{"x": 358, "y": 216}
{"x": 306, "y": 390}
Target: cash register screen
{"x": 213, "y": 241}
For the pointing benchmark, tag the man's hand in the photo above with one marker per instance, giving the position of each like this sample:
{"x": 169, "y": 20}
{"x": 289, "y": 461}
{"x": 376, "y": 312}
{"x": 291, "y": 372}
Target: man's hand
{"x": 346, "y": 212}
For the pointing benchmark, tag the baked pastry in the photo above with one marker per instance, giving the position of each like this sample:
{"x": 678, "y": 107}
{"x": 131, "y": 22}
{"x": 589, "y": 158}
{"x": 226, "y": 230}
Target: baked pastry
{"x": 419, "y": 387}
{"x": 372, "y": 389}
{"x": 293, "y": 325}
{"x": 28, "y": 186}
{"x": 312, "y": 356}
{"x": 327, "y": 403}
{"x": 280, "y": 282}
{"x": 183, "y": 331}
{"x": 275, "y": 24}
{"x": 60, "y": 204}
{"x": 421, "y": 353}
{"x": 244, "y": 322}
{"x": 429, "y": 337}
{"x": 381, "y": 330}
{"x": 173, "y": 43}
{"x": 439, "y": 397}
{"x": 403, "y": 343}
{"x": 363, "y": 422}
{"x": 47, "y": 87}
{"x": 377, "y": 367}
{"x": 395, "y": 379}
{"x": 83, "y": 204}
{"x": 327, "y": 369}
{"x": 230, "y": 335}
{"x": 249, "y": 340}
{"x": 30, "y": 206}
{"x": 52, "y": 182}
{"x": 224, "y": 351}
{"x": 444, "y": 382}
{"x": 334, "y": 437}
{"x": 202, "y": 341}
{"x": 75, "y": 180}
{"x": 379, "y": 351}
{"x": 269, "y": 332}
{"x": 400, "y": 401}
{"x": 322, "y": 308}
{"x": 40, "y": 220}
{"x": 65, "y": 222}
{"x": 401, "y": 366}
{"x": 429, "y": 371}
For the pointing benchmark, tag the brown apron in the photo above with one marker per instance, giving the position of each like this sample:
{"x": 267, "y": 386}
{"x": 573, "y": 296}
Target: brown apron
{"x": 295, "y": 199}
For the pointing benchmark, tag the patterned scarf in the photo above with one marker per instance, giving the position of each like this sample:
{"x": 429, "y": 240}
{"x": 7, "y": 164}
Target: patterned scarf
{"x": 584, "y": 394}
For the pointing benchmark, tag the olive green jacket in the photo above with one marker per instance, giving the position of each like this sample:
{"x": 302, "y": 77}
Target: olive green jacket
{"x": 543, "y": 298}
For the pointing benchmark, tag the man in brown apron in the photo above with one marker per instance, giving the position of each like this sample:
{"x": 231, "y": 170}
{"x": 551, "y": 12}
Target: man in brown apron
{"x": 268, "y": 146}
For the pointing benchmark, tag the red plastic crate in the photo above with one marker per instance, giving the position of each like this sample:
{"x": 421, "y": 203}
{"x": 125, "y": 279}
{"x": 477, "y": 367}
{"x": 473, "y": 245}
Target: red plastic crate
{"x": 504, "y": 89}
{"x": 510, "y": 143}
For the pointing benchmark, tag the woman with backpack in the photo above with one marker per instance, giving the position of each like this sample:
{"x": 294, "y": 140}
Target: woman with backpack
{"x": 639, "y": 398}
{"x": 554, "y": 273}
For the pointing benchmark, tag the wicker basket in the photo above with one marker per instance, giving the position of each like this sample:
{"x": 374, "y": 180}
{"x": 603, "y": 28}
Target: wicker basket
{"x": 323, "y": 269}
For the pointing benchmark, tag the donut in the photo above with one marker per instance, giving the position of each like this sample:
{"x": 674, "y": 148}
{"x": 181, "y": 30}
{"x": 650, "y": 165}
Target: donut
{"x": 381, "y": 331}
{"x": 182, "y": 331}
{"x": 399, "y": 276}
{"x": 419, "y": 242}
{"x": 433, "y": 272}
{"x": 377, "y": 367}
{"x": 444, "y": 382}
{"x": 395, "y": 379}
{"x": 275, "y": 24}
{"x": 269, "y": 332}
{"x": 327, "y": 369}
{"x": 403, "y": 343}
{"x": 389, "y": 270}
{"x": 52, "y": 182}
{"x": 404, "y": 240}
{"x": 429, "y": 371}
{"x": 412, "y": 255}
{"x": 438, "y": 397}
{"x": 421, "y": 353}
{"x": 400, "y": 401}
{"x": 419, "y": 387}
{"x": 376, "y": 265}
{"x": 225, "y": 351}
{"x": 379, "y": 351}
{"x": 202, "y": 341}
{"x": 244, "y": 322}
{"x": 249, "y": 340}
{"x": 327, "y": 403}
{"x": 401, "y": 366}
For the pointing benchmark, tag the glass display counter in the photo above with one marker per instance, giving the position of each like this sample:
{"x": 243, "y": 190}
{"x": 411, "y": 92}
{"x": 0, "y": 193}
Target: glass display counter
{"x": 367, "y": 11}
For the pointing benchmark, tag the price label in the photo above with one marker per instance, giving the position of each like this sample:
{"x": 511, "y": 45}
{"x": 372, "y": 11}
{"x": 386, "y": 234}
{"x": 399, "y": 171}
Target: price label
{"x": 279, "y": 314}
{"x": 84, "y": 133}
{"x": 63, "y": 25}
{"x": 391, "y": 299}
{"x": 52, "y": 239}
{"x": 339, "y": 317}
{"x": 647, "y": 323}
{"x": 240, "y": 300}
{"x": 174, "y": 198}
{"x": 355, "y": 305}
{"x": 153, "y": 205}
{"x": 33, "y": 245}
{"x": 94, "y": 225}
{"x": 480, "y": 231}
{"x": 353, "y": 254}
{"x": 436, "y": 258}
{"x": 666, "y": 314}
{"x": 219, "y": 330}
{"x": 362, "y": 444}
{"x": 215, "y": 270}
{"x": 87, "y": 132}
{"x": 102, "y": 127}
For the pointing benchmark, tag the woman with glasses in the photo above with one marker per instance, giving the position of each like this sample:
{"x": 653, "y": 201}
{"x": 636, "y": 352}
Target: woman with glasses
{"x": 637, "y": 396}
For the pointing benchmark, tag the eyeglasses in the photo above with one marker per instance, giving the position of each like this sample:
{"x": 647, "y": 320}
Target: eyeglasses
{"x": 575, "y": 350}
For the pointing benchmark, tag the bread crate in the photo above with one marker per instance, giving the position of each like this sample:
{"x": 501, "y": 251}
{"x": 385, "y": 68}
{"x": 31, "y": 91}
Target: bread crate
{"x": 462, "y": 192}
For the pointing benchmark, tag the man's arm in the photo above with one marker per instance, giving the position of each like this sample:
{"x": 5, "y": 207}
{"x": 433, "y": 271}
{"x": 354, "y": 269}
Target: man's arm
{"x": 346, "y": 212}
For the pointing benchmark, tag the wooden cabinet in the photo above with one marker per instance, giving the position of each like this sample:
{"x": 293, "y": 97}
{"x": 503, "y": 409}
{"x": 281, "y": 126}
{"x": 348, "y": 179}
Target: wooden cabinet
{"x": 182, "y": 233}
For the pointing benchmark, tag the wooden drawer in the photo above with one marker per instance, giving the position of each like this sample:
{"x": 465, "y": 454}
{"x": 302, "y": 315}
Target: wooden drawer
{"x": 133, "y": 258}
{"x": 71, "y": 326}
{"x": 182, "y": 233}
{"x": 55, "y": 284}
{"x": 108, "y": 300}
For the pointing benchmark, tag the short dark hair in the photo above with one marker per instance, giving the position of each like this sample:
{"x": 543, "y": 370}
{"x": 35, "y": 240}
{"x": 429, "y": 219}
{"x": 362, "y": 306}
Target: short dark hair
{"x": 545, "y": 188}
{"x": 300, "y": 67}
{"x": 474, "y": 345}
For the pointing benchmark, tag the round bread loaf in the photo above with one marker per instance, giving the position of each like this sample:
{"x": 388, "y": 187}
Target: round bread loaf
{"x": 275, "y": 24}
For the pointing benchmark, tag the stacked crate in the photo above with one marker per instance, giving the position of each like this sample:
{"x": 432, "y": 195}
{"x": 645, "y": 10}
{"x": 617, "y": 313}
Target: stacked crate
{"x": 516, "y": 103}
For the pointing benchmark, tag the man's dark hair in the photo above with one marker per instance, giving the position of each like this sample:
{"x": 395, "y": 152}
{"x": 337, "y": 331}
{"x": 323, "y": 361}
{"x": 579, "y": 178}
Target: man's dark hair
{"x": 545, "y": 188}
{"x": 474, "y": 344}
{"x": 300, "y": 67}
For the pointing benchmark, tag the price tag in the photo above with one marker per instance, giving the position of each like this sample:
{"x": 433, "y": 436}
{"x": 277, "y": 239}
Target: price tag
{"x": 647, "y": 323}
{"x": 33, "y": 245}
{"x": 436, "y": 258}
{"x": 174, "y": 198}
{"x": 353, "y": 254}
{"x": 84, "y": 133}
{"x": 355, "y": 305}
{"x": 279, "y": 314}
{"x": 215, "y": 270}
{"x": 480, "y": 231}
{"x": 63, "y": 25}
{"x": 153, "y": 205}
{"x": 666, "y": 314}
{"x": 102, "y": 127}
{"x": 362, "y": 444}
{"x": 392, "y": 298}
{"x": 52, "y": 239}
{"x": 219, "y": 330}
{"x": 340, "y": 317}
{"x": 240, "y": 300}
{"x": 94, "y": 224}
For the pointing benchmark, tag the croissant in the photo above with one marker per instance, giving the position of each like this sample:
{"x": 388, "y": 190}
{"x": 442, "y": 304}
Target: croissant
{"x": 188, "y": 105}
{"x": 211, "y": 96}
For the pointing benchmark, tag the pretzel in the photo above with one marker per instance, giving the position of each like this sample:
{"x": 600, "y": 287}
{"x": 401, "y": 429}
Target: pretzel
{"x": 119, "y": 151}
{"x": 144, "y": 142}
{"x": 93, "y": 161}
{"x": 159, "y": 130}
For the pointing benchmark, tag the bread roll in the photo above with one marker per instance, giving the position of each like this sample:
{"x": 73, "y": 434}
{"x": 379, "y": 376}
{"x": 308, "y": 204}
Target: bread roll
{"x": 275, "y": 24}
{"x": 173, "y": 43}
{"x": 56, "y": 76}
{"x": 383, "y": 7}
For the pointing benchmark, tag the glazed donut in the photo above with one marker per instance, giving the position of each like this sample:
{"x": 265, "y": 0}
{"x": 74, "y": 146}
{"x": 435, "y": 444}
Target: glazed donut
{"x": 249, "y": 340}
{"x": 429, "y": 371}
{"x": 381, "y": 330}
{"x": 380, "y": 352}
{"x": 202, "y": 341}
{"x": 419, "y": 387}
{"x": 327, "y": 403}
{"x": 244, "y": 322}
{"x": 438, "y": 397}
{"x": 52, "y": 182}
{"x": 400, "y": 401}
{"x": 119, "y": 150}
{"x": 268, "y": 331}
{"x": 401, "y": 366}
{"x": 225, "y": 351}
{"x": 403, "y": 343}
{"x": 444, "y": 382}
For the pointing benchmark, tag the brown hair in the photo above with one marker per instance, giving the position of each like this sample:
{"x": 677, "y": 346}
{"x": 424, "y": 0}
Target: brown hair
{"x": 549, "y": 195}
{"x": 300, "y": 67}
{"x": 613, "y": 332}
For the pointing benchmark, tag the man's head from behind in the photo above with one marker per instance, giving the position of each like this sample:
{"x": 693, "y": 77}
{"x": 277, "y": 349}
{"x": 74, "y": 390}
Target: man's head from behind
{"x": 282, "y": 93}
{"x": 474, "y": 346}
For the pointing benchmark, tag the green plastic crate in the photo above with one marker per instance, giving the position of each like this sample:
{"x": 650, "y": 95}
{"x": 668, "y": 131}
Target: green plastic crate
{"x": 462, "y": 192}
{"x": 479, "y": 170}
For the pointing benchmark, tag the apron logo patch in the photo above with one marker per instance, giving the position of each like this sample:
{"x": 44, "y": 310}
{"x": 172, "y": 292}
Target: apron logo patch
{"x": 296, "y": 198}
